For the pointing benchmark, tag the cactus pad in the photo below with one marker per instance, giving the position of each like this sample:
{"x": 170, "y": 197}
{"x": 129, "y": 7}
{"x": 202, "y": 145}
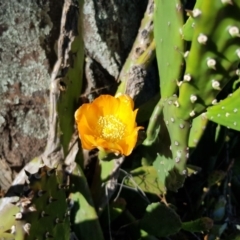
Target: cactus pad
{"x": 213, "y": 56}
{"x": 169, "y": 44}
{"x": 146, "y": 178}
{"x": 227, "y": 112}
{"x": 42, "y": 208}
{"x": 157, "y": 215}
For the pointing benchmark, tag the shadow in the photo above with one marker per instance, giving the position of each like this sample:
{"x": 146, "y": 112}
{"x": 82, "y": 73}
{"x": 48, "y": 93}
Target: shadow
{"x": 117, "y": 24}
{"x": 97, "y": 81}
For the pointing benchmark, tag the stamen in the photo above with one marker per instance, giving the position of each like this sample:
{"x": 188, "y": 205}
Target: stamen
{"x": 111, "y": 128}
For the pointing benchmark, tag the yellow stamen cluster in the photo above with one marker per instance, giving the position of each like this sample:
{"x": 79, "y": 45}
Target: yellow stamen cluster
{"x": 111, "y": 128}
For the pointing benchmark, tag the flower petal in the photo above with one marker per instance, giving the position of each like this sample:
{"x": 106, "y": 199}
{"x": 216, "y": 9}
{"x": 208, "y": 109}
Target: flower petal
{"x": 126, "y": 101}
{"x": 106, "y": 104}
{"x": 83, "y": 125}
{"x": 130, "y": 141}
{"x": 109, "y": 146}
{"x": 130, "y": 122}
{"x": 88, "y": 142}
{"x": 90, "y": 112}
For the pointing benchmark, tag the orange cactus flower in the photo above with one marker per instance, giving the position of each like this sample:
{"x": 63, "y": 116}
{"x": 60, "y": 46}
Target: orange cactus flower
{"x": 108, "y": 123}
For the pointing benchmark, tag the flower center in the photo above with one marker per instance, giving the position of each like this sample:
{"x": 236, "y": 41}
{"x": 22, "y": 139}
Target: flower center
{"x": 111, "y": 128}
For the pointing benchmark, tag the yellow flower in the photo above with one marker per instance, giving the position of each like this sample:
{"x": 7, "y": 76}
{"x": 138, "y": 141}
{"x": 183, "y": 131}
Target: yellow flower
{"x": 109, "y": 123}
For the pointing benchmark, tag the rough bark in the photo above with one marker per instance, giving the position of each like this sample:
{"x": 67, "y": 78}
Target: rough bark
{"x": 28, "y": 30}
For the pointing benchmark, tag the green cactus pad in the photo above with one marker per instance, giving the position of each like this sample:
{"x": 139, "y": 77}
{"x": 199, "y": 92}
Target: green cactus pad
{"x": 154, "y": 125}
{"x": 199, "y": 125}
{"x": 146, "y": 178}
{"x": 7, "y": 220}
{"x": 188, "y": 28}
{"x": 164, "y": 155}
{"x": 199, "y": 225}
{"x": 167, "y": 173}
{"x": 158, "y": 215}
{"x": 116, "y": 209}
{"x": 84, "y": 217}
{"x": 227, "y": 111}
{"x": 179, "y": 130}
{"x": 42, "y": 209}
{"x": 169, "y": 44}
{"x": 213, "y": 56}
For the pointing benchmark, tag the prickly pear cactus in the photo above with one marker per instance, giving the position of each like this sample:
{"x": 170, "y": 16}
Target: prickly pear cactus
{"x": 169, "y": 44}
{"x": 210, "y": 63}
{"x": 213, "y": 57}
{"x": 41, "y": 212}
{"x": 226, "y": 112}
{"x": 199, "y": 125}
